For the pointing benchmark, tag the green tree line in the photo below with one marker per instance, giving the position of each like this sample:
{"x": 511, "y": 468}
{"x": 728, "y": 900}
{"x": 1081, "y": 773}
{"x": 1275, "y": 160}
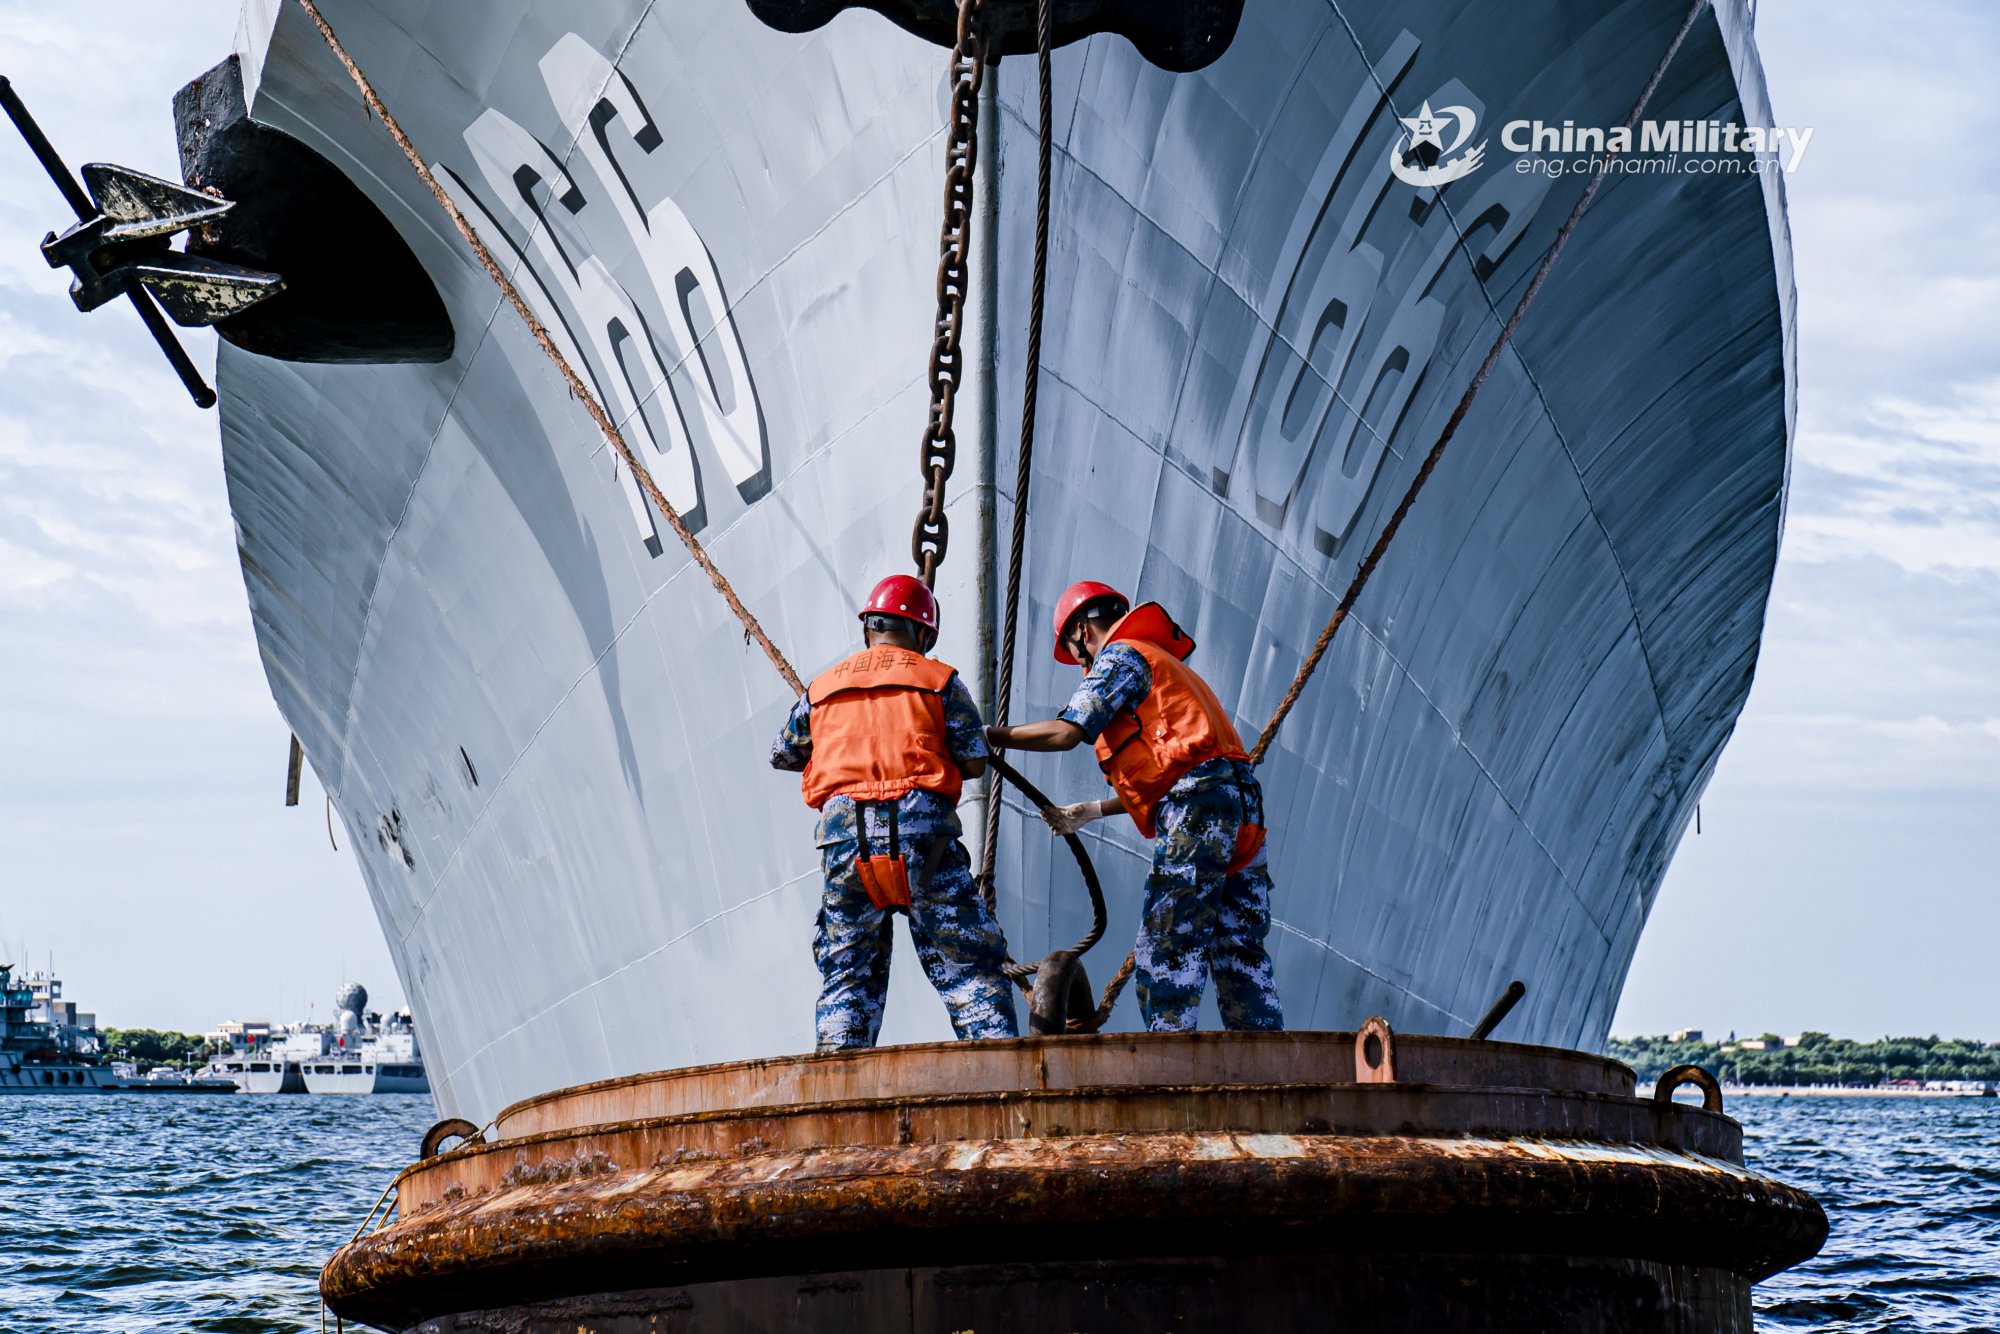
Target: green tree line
{"x": 152, "y": 1046}
{"x": 1817, "y": 1059}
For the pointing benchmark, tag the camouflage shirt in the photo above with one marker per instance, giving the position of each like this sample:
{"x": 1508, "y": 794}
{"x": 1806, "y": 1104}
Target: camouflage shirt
{"x": 1117, "y": 680}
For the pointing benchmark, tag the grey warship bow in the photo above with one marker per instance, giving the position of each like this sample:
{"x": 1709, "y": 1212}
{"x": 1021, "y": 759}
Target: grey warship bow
{"x": 544, "y": 732}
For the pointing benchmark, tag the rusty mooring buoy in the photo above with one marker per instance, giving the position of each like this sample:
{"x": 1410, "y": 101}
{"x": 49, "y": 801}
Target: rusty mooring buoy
{"x": 1269, "y": 1181}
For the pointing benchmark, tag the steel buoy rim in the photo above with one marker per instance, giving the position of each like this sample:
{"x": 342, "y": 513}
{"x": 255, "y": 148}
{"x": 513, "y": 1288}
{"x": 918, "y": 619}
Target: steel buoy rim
{"x": 599, "y": 1228}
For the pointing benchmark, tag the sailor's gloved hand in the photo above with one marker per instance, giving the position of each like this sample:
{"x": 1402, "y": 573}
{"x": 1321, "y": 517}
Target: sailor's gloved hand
{"x": 1069, "y": 819}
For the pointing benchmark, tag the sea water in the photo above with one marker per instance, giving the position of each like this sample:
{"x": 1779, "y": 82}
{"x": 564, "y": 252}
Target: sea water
{"x": 1911, "y": 1187}
{"x": 147, "y": 1212}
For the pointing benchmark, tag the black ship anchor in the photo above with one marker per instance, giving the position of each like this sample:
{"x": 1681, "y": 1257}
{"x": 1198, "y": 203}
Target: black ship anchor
{"x": 121, "y": 245}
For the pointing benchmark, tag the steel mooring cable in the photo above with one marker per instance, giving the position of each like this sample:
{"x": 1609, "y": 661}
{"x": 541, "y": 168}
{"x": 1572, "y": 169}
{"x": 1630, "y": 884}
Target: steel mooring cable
{"x": 1024, "y": 461}
{"x": 1017, "y": 556}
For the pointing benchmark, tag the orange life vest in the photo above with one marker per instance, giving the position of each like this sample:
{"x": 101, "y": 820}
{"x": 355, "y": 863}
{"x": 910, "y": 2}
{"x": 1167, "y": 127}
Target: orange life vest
{"x": 1179, "y": 724}
{"x": 878, "y": 729}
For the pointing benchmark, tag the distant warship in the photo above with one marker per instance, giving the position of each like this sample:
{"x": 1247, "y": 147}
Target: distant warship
{"x": 359, "y": 1052}
{"x": 47, "y": 1045}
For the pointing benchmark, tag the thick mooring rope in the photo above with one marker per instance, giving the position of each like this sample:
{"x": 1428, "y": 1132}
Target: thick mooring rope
{"x": 577, "y": 387}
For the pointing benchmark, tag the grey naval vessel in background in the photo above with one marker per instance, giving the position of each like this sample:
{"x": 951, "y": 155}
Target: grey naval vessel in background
{"x": 361, "y": 1051}
{"x": 48, "y": 1045}
{"x": 546, "y": 735}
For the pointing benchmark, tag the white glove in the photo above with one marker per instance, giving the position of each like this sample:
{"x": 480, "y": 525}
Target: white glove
{"x": 1069, "y": 819}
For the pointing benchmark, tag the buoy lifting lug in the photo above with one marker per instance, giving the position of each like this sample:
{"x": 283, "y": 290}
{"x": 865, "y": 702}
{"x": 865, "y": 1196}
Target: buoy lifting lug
{"x": 452, "y": 1127}
{"x": 1711, "y": 1091}
{"x": 1061, "y": 998}
{"x": 1375, "y": 1052}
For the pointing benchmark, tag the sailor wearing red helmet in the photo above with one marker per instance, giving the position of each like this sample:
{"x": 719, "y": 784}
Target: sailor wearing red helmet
{"x": 886, "y": 739}
{"x": 1178, "y": 768}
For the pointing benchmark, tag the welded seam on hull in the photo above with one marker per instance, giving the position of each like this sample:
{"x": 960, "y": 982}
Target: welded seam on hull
{"x": 1288, "y": 928}
{"x": 1638, "y": 626}
{"x": 561, "y": 1001}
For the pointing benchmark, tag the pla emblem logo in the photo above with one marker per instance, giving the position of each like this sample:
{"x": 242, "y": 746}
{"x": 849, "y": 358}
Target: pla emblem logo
{"x": 1428, "y": 130}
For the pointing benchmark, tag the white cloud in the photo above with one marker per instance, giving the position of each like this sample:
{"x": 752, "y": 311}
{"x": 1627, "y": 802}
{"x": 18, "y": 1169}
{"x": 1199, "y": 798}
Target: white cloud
{"x": 1916, "y": 482}
{"x": 1856, "y": 756}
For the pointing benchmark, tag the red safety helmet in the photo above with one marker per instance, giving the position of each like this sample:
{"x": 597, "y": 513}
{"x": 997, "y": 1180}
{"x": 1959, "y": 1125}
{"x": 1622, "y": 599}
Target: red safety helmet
{"x": 904, "y": 595}
{"x": 1074, "y": 599}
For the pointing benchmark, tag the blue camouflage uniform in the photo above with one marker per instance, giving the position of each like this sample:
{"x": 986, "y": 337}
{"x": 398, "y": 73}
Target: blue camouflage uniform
{"x": 1198, "y": 917}
{"x": 958, "y": 942}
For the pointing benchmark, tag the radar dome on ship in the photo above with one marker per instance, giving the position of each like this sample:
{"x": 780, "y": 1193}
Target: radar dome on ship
{"x": 353, "y": 997}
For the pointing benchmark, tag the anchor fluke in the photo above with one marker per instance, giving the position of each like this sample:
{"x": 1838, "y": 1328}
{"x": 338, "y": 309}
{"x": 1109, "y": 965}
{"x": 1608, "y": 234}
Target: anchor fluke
{"x": 126, "y": 241}
{"x": 141, "y": 206}
{"x": 197, "y": 291}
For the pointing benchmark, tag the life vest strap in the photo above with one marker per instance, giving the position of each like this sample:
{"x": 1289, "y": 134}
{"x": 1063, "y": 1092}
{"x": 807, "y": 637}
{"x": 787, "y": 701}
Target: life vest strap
{"x": 886, "y": 879}
{"x": 1249, "y": 834}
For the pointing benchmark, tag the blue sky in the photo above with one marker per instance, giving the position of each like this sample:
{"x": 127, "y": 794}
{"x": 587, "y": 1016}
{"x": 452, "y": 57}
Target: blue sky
{"x": 1845, "y": 876}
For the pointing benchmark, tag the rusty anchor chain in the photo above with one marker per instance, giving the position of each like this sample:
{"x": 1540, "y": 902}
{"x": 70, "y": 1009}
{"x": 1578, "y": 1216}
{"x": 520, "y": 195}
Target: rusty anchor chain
{"x": 931, "y": 538}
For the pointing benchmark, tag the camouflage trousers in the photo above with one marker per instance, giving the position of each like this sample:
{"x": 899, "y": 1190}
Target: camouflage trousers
{"x": 958, "y": 943}
{"x": 1201, "y": 918}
